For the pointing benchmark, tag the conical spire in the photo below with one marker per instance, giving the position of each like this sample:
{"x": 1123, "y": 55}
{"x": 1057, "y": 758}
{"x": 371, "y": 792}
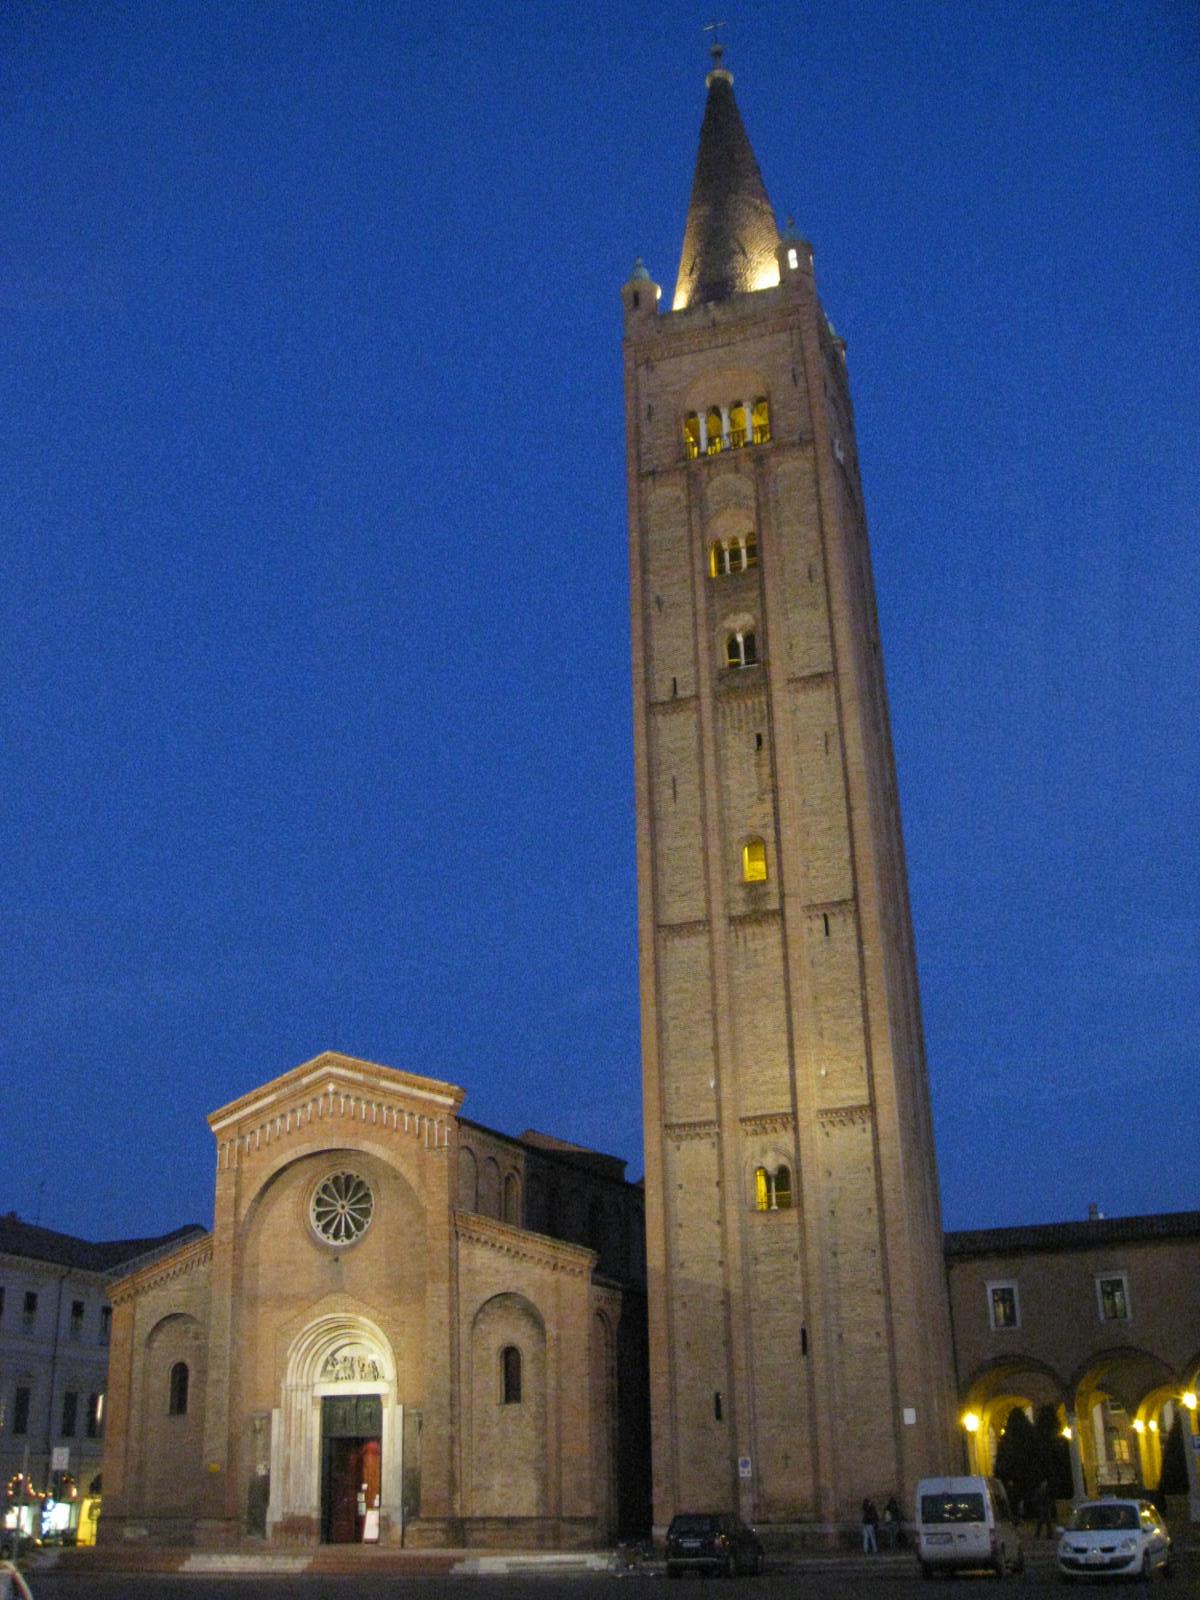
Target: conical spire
{"x": 730, "y": 240}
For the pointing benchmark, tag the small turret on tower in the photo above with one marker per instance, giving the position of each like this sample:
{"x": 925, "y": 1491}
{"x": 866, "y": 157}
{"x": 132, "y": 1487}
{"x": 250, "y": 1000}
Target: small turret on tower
{"x": 640, "y": 295}
{"x": 730, "y": 239}
{"x": 794, "y": 256}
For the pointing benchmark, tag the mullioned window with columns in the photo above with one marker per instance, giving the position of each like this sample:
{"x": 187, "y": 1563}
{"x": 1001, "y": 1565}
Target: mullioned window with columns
{"x": 741, "y": 649}
{"x": 773, "y": 1189}
{"x": 726, "y": 557}
{"x": 727, "y": 427}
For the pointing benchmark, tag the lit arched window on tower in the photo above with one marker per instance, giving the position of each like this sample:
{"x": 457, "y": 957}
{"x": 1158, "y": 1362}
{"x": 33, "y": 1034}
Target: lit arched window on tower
{"x": 716, "y": 430}
{"x": 739, "y": 433}
{"x": 754, "y": 861}
{"x": 762, "y": 421}
{"x": 510, "y": 1376}
{"x": 741, "y": 649}
{"x": 772, "y": 1190}
{"x": 727, "y": 556}
{"x": 691, "y": 436}
{"x": 177, "y": 1392}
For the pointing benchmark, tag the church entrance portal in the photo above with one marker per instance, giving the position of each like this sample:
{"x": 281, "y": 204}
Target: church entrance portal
{"x": 337, "y": 1438}
{"x": 351, "y": 1437}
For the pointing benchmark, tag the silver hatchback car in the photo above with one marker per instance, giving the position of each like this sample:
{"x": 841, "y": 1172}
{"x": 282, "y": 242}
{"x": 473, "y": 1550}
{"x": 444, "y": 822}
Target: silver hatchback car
{"x": 1114, "y": 1538}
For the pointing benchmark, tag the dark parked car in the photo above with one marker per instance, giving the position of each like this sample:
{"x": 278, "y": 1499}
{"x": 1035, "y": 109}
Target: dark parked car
{"x": 711, "y": 1541}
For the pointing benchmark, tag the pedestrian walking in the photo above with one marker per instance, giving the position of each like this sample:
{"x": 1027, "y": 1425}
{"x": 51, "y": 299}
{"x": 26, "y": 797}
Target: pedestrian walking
{"x": 870, "y": 1521}
{"x": 891, "y": 1524}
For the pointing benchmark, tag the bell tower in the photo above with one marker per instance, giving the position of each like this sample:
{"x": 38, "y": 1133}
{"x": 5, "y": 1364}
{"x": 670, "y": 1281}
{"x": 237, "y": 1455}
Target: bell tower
{"x": 800, "y": 1344}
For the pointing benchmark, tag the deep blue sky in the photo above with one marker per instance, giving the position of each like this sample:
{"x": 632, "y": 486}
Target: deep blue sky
{"x": 314, "y": 616}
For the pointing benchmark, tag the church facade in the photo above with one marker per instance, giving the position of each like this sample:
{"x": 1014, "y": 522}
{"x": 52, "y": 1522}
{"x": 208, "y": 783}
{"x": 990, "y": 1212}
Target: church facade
{"x": 800, "y": 1344}
{"x": 372, "y": 1345}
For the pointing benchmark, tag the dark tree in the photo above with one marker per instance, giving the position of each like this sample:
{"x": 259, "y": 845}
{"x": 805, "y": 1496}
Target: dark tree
{"x": 1017, "y": 1464}
{"x": 1174, "y": 1467}
{"x": 1053, "y": 1453}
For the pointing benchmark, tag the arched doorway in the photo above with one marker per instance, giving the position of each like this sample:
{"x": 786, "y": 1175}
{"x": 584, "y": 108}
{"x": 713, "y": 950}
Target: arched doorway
{"x": 337, "y": 1437}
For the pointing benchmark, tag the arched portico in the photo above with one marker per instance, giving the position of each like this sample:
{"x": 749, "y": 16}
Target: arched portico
{"x": 992, "y": 1393}
{"x": 1120, "y": 1397}
{"x": 340, "y": 1357}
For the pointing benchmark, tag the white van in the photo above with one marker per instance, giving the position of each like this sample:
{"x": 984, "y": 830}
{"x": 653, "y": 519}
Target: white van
{"x": 966, "y": 1522}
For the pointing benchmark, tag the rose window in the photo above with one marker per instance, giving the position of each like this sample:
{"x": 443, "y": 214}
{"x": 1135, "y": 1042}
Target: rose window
{"x": 341, "y": 1208}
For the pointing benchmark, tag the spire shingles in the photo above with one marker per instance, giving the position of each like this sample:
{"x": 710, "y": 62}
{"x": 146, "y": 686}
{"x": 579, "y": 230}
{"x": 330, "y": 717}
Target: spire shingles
{"x": 730, "y": 239}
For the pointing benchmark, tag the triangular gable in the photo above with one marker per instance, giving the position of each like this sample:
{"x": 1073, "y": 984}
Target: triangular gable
{"x": 333, "y": 1080}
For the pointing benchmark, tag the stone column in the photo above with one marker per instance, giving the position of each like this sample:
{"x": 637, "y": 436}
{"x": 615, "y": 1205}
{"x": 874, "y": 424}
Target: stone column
{"x": 1078, "y": 1485}
{"x": 1191, "y": 1444}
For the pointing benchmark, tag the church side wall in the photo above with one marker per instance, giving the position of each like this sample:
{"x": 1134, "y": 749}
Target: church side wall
{"x": 527, "y": 1472}
{"x": 153, "y": 1460}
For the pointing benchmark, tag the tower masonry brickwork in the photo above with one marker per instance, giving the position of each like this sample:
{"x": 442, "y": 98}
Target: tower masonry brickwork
{"x": 800, "y": 1340}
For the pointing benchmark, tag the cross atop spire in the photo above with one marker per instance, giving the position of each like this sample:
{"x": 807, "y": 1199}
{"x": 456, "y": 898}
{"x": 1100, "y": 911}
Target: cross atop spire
{"x": 716, "y": 50}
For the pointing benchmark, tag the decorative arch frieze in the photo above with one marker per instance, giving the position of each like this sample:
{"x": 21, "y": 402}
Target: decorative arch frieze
{"x": 334, "y": 1105}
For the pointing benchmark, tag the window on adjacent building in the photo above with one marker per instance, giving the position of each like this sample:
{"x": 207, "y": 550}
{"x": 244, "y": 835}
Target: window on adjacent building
{"x": 754, "y": 861}
{"x": 510, "y": 1376}
{"x": 1112, "y": 1294}
{"x": 75, "y": 1327}
{"x": 20, "y": 1421}
{"x": 741, "y": 649}
{"x": 177, "y": 1390}
{"x": 94, "y": 1421}
{"x": 70, "y": 1413}
{"x": 1003, "y": 1305}
{"x": 105, "y": 1324}
{"x": 30, "y": 1317}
